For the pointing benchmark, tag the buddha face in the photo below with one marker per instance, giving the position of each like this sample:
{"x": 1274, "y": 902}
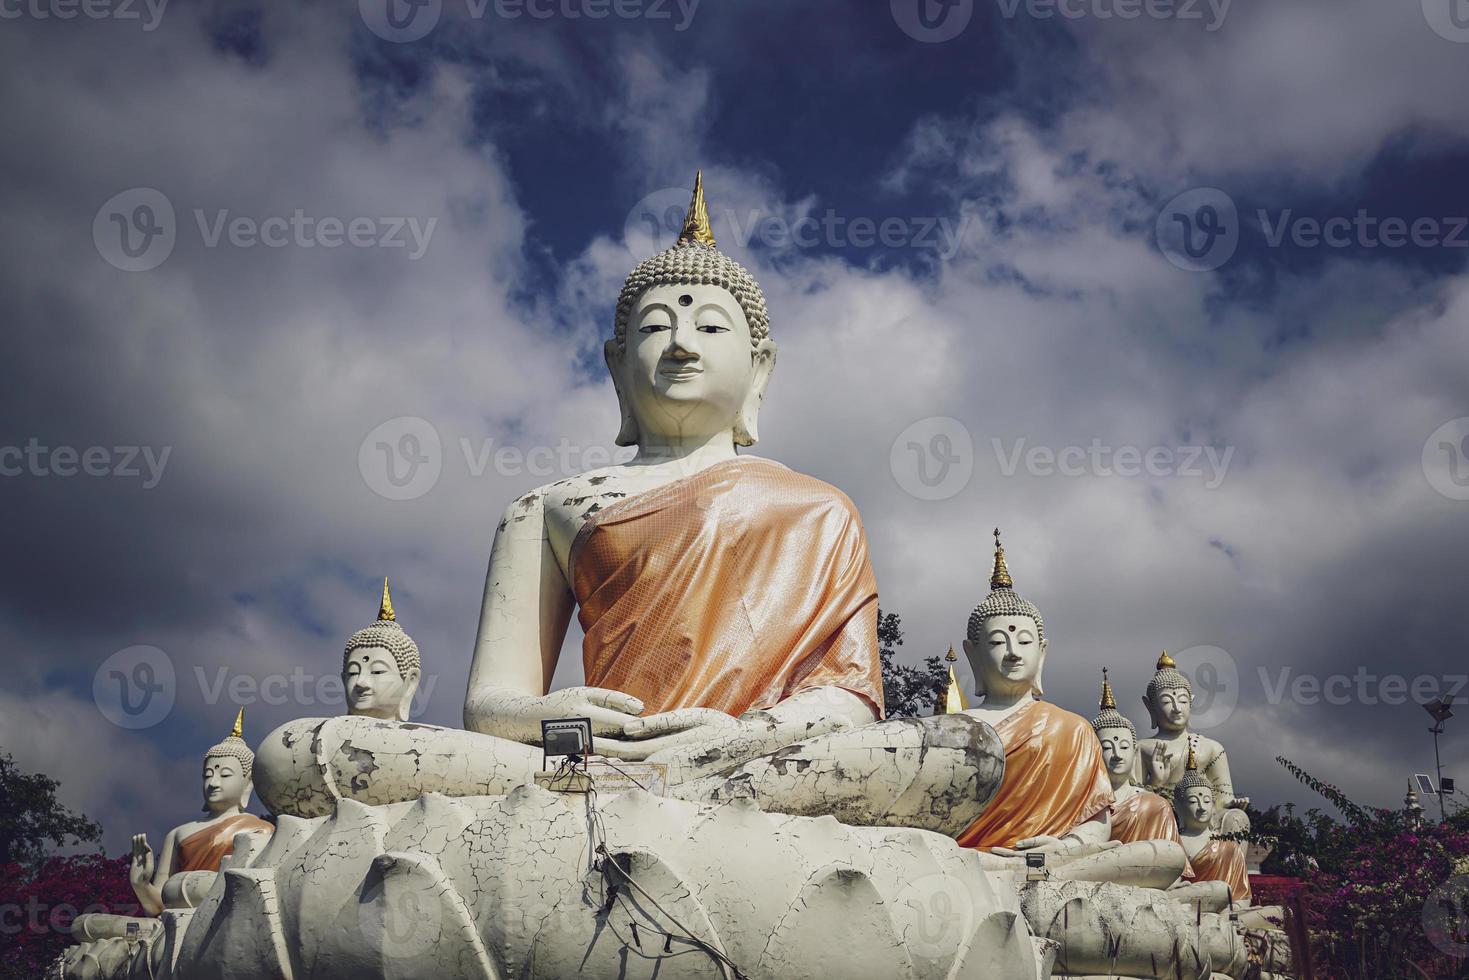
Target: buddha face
{"x": 225, "y": 784}
{"x": 1008, "y": 656}
{"x": 1171, "y": 709}
{"x": 374, "y": 687}
{"x": 687, "y": 368}
{"x": 1119, "y": 750}
{"x": 1195, "y": 809}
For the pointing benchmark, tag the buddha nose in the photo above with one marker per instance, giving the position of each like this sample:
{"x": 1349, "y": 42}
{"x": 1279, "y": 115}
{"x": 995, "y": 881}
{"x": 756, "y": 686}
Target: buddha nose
{"x": 681, "y": 343}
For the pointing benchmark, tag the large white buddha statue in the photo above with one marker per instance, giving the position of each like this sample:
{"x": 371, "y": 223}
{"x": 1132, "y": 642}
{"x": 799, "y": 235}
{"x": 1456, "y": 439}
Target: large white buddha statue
{"x": 1169, "y": 700}
{"x": 709, "y": 583}
{"x": 200, "y": 845}
{"x": 728, "y": 606}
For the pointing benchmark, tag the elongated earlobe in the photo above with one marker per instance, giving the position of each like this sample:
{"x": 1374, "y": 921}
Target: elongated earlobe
{"x": 410, "y": 691}
{"x": 1040, "y": 671}
{"x": 627, "y": 434}
{"x": 747, "y": 425}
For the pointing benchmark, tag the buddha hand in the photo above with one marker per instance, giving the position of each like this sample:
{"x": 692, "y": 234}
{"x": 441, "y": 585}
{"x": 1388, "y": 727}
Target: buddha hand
{"x": 518, "y": 716}
{"x": 140, "y": 870}
{"x": 669, "y": 730}
{"x": 1160, "y": 765}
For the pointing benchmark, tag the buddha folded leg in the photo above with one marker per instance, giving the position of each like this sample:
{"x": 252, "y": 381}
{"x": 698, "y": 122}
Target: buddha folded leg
{"x": 305, "y": 767}
{"x": 935, "y": 773}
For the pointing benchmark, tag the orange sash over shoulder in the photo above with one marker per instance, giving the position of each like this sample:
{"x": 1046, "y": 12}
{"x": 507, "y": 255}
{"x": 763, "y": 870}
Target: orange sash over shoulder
{"x": 733, "y": 588}
{"x": 204, "y": 849}
{"x": 1054, "y": 778}
{"x": 1146, "y": 816}
{"x": 1224, "y": 860}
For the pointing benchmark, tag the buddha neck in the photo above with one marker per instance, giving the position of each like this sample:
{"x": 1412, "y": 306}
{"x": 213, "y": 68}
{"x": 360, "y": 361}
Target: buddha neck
{"x": 698, "y": 451}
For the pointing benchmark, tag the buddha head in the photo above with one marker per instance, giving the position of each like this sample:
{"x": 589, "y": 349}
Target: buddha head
{"x": 381, "y": 667}
{"x": 1193, "y": 797}
{"x": 1117, "y": 735}
{"x": 227, "y": 772}
{"x": 691, "y": 352}
{"x": 1006, "y": 641}
{"x": 1170, "y": 697}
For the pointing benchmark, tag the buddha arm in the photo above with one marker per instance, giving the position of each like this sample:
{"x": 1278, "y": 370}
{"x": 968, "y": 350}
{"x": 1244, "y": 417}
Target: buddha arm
{"x": 149, "y": 891}
{"x": 527, "y": 605}
{"x": 1218, "y": 773}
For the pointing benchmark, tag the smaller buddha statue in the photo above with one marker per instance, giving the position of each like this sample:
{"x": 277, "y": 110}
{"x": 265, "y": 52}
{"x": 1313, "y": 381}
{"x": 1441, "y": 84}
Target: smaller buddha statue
{"x": 1056, "y": 797}
{"x": 1169, "y": 700}
{"x": 200, "y": 845}
{"x": 1139, "y": 814}
{"x": 381, "y": 667}
{"x": 1212, "y": 859}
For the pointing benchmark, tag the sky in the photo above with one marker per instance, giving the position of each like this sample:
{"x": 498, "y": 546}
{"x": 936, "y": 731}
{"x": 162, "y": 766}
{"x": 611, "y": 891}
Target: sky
{"x": 299, "y": 295}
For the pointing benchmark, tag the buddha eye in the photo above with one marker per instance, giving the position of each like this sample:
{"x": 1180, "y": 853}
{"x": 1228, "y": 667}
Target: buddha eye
{"x": 653, "y": 327}
{"x": 712, "y": 328}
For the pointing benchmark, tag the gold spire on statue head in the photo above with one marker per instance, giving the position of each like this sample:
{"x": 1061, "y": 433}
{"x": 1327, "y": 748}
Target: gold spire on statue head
{"x": 1166, "y": 662}
{"x": 385, "y": 608}
{"x": 1108, "y": 700}
{"x": 239, "y": 730}
{"x": 1192, "y": 765}
{"x": 696, "y": 227}
{"x": 1000, "y": 577}
{"x": 954, "y": 699}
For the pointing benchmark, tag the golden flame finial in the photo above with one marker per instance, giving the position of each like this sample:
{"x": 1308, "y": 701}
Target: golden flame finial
{"x": 1000, "y": 577}
{"x": 1108, "y": 700}
{"x": 385, "y": 608}
{"x": 1166, "y": 662}
{"x": 239, "y": 730}
{"x": 1192, "y": 765}
{"x": 696, "y": 228}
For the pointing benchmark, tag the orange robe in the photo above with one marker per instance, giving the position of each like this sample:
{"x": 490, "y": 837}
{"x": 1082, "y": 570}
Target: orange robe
{"x": 1224, "y": 860}
{"x": 1054, "y": 778}
{"x": 733, "y": 588}
{"x": 1146, "y": 816}
{"x": 204, "y": 849}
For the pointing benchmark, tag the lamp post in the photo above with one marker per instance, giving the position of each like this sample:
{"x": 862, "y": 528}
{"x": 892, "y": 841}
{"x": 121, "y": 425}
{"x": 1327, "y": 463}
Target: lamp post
{"x": 1440, "y": 711}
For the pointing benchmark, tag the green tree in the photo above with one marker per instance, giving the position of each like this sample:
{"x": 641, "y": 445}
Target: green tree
{"x": 30, "y": 816}
{"x": 908, "y": 692}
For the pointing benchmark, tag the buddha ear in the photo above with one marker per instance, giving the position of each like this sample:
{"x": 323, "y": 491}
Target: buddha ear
{"x": 1040, "y": 669}
{"x": 1152, "y": 712}
{"x": 747, "y": 426}
{"x": 614, "y": 353}
{"x": 979, "y": 689}
{"x": 410, "y": 690}
{"x": 245, "y": 796}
